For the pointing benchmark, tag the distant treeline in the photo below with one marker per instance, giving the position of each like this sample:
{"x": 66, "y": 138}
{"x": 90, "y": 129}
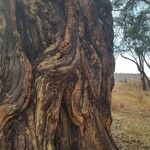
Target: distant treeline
{"x": 125, "y": 77}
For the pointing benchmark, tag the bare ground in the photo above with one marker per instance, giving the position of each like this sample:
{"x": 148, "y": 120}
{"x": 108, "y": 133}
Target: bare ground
{"x": 131, "y": 117}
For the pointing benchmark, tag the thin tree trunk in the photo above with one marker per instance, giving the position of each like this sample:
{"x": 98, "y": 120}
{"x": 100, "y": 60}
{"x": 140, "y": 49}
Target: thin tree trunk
{"x": 140, "y": 66}
{"x": 56, "y": 74}
{"x": 141, "y": 69}
{"x": 145, "y": 79}
{"x": 143, "y": 82}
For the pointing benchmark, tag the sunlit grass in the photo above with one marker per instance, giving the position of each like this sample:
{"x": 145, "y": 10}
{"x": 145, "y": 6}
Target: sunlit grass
{"x": 131, "y": 116}
{"x": 130, "y": 96}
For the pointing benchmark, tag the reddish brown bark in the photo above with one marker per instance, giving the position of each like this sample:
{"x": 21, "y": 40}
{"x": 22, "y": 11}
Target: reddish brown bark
{"x": 56, "y": 74}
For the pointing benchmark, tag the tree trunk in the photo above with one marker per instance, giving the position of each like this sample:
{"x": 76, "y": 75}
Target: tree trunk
{"x": 56, "y": 74}
{"x": 145, "y": 80}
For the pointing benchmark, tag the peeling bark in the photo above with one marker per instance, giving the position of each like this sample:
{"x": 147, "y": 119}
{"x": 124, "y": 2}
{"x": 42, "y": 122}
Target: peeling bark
{"x": 56, "y": 74}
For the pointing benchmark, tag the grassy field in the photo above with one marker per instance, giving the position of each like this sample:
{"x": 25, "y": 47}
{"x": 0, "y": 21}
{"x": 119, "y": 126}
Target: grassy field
{"x": 131, "y": 116}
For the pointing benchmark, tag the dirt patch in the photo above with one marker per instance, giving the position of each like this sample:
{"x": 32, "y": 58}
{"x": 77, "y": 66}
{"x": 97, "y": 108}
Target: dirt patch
{"x": 131, "y": 117}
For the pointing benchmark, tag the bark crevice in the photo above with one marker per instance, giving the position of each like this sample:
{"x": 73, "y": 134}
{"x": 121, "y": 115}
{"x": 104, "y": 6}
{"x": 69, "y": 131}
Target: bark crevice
{"x": 57, "y": 65}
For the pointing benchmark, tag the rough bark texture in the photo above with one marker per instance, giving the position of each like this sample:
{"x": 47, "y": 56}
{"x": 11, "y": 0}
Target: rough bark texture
{"x": 56, "y": 74}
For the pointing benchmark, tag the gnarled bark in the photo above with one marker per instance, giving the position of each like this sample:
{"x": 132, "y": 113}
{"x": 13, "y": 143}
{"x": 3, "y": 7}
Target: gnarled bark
{"x": 56, "y": 74}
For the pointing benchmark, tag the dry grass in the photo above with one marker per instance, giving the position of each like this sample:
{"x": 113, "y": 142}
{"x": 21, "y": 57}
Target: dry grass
{"x": 130, "y": 96}
{"x": 131, "y": 131}
{"x": 131, "y": 114}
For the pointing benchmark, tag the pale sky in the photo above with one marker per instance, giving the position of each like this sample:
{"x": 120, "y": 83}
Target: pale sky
{"x": 125, "y": 66}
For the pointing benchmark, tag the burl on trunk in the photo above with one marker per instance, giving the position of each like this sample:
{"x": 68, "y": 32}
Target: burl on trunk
{"x": 56, "y": 74}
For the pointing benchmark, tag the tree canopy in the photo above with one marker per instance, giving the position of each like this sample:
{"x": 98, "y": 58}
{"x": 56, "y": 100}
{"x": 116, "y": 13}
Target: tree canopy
{"x": 132, "y": 30}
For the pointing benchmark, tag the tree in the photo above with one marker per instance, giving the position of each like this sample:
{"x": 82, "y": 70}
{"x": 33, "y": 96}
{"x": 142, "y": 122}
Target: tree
{"x": 133, "y": 22}
{"x": 56, "y": 74}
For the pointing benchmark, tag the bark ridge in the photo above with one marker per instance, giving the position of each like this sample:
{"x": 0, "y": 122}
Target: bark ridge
{"x": 56, "y": 74}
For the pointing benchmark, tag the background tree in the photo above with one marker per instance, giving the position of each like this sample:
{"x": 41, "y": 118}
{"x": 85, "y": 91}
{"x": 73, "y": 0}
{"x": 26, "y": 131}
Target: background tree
{"x": 56, "y": 74}
{"x": 132, "y": 25}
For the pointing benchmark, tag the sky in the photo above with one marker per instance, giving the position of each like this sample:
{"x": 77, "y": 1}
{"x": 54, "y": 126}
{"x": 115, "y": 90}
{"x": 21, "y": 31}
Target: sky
{"x": 125, "y": 66}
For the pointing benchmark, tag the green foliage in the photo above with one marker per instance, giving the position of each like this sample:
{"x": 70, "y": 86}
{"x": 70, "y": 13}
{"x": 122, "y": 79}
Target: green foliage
{"x": 132, "y": 33}
{"x": 132, "y": 18}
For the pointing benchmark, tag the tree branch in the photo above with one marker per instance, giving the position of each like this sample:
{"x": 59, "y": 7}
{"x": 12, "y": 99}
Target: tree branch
{"x": 148, "y": 65}
{"x": 146, "y": 1}
{"x": 129, "y": 59}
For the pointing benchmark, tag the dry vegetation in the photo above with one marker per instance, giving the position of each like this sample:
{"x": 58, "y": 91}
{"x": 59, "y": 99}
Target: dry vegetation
{"x": 131, "y": 114}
